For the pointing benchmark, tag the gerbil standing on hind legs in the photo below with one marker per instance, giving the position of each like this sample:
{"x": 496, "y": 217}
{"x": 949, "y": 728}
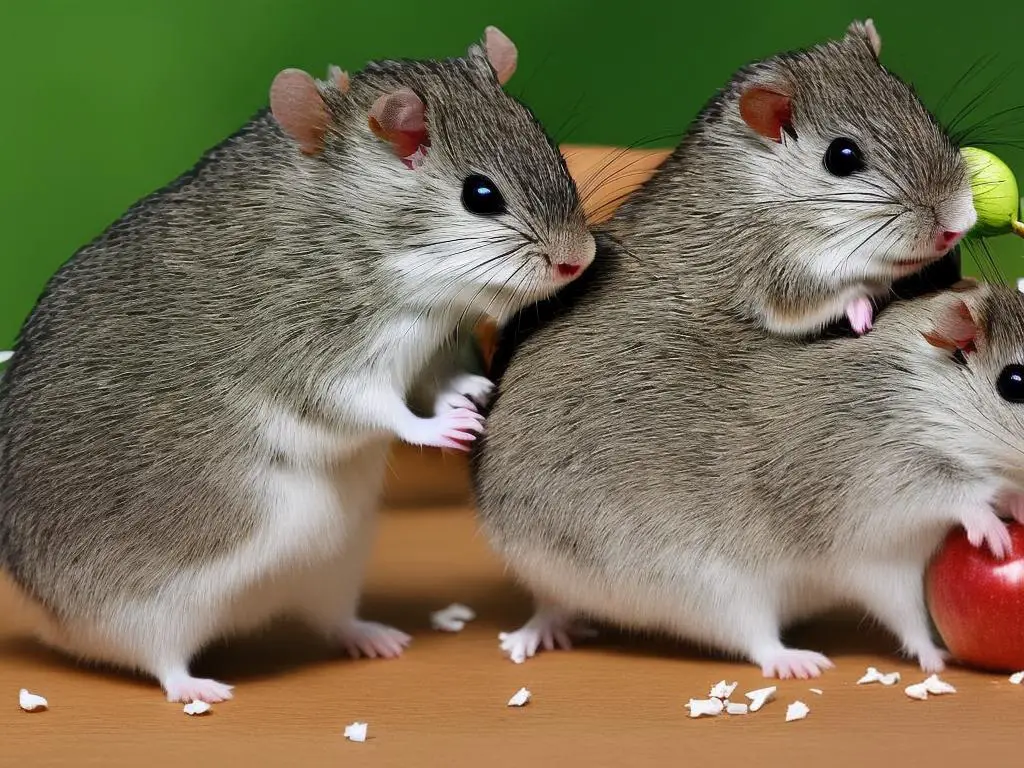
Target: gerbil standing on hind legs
{"x": 196, "y": 419}
{"x": 626, "y": 473}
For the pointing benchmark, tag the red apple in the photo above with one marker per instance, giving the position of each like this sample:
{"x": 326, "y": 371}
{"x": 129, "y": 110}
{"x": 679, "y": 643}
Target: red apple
{"x": 977, "y": 601}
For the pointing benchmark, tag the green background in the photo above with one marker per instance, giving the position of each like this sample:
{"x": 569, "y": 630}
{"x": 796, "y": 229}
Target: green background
{"x": 104, "y": 101}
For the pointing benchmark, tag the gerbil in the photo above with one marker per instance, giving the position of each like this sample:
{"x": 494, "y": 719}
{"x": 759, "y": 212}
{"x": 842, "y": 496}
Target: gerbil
{"x": 721, "y": 493}
{"x": 635, "y": 462}
{"x": 809, "y": 185}
{"x": 196, "y": 418}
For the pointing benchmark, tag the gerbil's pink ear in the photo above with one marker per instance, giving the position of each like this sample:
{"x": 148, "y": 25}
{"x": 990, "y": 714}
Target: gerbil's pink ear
{"x": 501, "y": 53}
{"x": 299, "y": 109}
{"x": 766, "y": 111}
{"x": 399, "y": 118}
{"x": 339, "y": 77}
{"x": 866, "y": 32}
{"x": 955, "y": 330}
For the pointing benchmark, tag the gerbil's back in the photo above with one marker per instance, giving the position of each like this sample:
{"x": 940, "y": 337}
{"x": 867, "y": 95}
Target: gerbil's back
{"x": 110, "y": 408}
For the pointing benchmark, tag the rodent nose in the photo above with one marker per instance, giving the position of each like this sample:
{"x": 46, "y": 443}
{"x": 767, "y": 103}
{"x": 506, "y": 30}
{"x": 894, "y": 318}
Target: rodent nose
{"x": 946, "y": 239}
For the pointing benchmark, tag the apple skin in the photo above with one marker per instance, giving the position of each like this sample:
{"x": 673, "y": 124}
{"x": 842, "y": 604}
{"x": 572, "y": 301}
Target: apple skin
{"x": 977, "y": 601}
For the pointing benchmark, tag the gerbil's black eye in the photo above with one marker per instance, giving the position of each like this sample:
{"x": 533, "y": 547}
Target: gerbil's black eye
{"x": 481, "y": 197}
{"x": 843, "y": 157}
{"x": 1011, "y": 383}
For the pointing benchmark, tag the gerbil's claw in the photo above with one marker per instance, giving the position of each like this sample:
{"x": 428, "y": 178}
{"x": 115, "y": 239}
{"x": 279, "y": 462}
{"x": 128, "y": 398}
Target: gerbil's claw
{"x": 787, "y": 663}
{"x": 185, "y": 689}
{"x": 932, "y": 660}
{"x": 985, "y": 528}
{"x": 447, "y": 430}
{"x": 546, "y": 629}
{"x": 373, "y": 640}
{"x": 861, "y": 315}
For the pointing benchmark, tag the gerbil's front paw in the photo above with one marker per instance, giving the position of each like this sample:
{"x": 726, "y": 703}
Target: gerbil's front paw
{"x": 861, "y": 315}
{"x": 787, "y": 663}
{"x": 186, "y": 689}
{"x": 452, "y": 429}
{"x": 984, "y": 527}
{"x": 464, "y": 391}
{"x": 373, "y": 640}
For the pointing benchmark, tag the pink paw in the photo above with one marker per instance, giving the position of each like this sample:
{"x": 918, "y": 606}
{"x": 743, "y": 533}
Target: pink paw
{"x": 549, "y": 632}
{"x": 985, "y": 528}
{"x": 186, "y": 689}
{"x": 861, "y": 315}
{"x": 373, "y": 640}
{"x": 451, "y": 429}
{"x": 787, "y": 663}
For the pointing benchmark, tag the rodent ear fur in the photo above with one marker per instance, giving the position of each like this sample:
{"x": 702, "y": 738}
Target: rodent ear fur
{"x": 299, "y": 108}
{"x": 768, "y": 111}
{"x": 339, "y": 77}
{"x": 499, "y": 52}
{"x": 955, "y": 329}
{"x": 865, "y": 32}
{"x": 399, "y": 118}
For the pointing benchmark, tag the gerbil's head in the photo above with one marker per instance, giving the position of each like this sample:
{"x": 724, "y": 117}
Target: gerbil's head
{"x": 979, "y": 335}
{"x": 839, "y": 167}
{"x": 451, "y": 182}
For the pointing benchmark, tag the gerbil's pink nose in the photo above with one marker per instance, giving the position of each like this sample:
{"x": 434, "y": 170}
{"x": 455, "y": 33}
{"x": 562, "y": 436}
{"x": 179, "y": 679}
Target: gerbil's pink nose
{"x": 947, "y": 239}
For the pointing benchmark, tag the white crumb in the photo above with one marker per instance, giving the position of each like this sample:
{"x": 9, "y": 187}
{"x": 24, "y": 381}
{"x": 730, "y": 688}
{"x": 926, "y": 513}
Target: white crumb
{"x": 917, "y": 691}
{"x": 722, "y": 689}
{"x": 736, "y": 708}
{"x": 872, "y": 675}
{"x": 1020, "y": 287}
{"x": 30, "y": 702}
{"x": 817, "y": 691}
{"x": 708, "y": 707}
{"x": 796, "y": 711}
{"x": 1017, "y": 678}
{"x": 938, "y": 687}
{"x": 759, "y": 697}
{"x": 197, "y": 708}
{"x": 356, "y": 732}
{"x": 452, "y": 619}
{"x": 520, "y": 698}
{"x": 5, "y": 356}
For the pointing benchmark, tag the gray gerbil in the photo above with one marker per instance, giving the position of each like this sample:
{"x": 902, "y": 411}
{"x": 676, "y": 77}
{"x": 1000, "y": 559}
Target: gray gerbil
{"x": 658, "y": 457}
{"x": 810, "y": 184}
{"x": 789, "y": 479}
{"x": 195, "y": 422}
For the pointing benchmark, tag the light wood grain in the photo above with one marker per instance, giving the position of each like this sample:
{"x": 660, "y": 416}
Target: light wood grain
{"x": 615, "y": 701}
{"x": 604, "y": 175}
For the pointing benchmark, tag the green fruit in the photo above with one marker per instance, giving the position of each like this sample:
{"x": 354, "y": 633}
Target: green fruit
{"x": 995, "y": 193}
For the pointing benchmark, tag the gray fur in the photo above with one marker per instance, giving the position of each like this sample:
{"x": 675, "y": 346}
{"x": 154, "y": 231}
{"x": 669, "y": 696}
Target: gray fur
{"x": 663, "y": 452}
{"x": 776, "y": 238}
{"x": 127, "y": 413}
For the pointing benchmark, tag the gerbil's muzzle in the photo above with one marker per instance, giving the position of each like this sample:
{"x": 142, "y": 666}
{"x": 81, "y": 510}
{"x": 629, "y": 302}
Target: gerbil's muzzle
{"x": 573, "y": 255}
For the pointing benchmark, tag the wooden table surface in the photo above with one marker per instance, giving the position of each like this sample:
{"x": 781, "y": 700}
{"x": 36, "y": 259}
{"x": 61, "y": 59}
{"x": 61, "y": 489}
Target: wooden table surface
{"x": 614, "y": 701}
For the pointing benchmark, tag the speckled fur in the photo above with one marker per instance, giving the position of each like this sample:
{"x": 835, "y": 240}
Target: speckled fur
{"x": 184, "y": 393}
{"x": 768, "y": 232}
{"x": 662, "y": 454}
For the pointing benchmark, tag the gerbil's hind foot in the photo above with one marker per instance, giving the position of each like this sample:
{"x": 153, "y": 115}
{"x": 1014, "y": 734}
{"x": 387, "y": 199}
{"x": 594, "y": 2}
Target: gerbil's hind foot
{"x": 932, "y": 660}
{"x": 786, "y": 663}
{"x": 182, "y": 687}
{"x": 984, "y": 527}
{"x": 861, "y": 315}
{"x": 548, "y": 629}
{"x": 373, "y": 640}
